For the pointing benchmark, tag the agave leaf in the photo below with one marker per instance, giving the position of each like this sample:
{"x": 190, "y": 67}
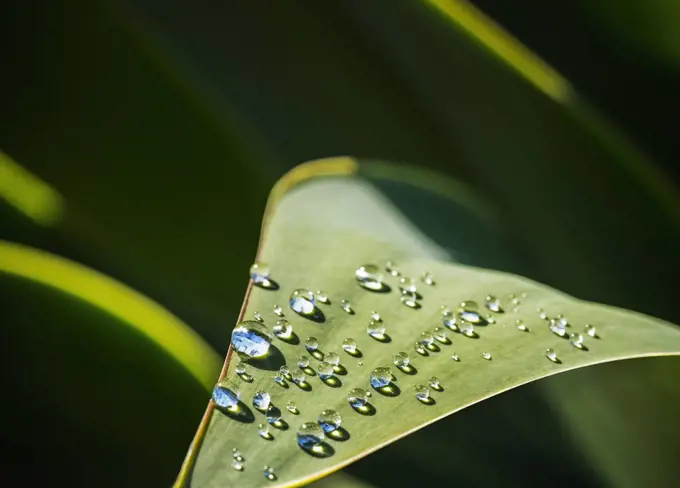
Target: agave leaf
{"x": 314, "y": 236}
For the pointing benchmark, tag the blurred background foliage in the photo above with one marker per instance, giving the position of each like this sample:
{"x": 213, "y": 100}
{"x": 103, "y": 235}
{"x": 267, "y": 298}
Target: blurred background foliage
{"x": 159, "y": 128}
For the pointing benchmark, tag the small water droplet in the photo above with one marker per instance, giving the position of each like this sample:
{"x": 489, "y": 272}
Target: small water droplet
{"x": 303, "y": 362}
{"x": 562, "y": 320}
{"x": 427, "y": 278}
{"x": 261, "y": 400}
{"x": 369, "y": 276}
{"x": 292, "y": 407}
{"x": 375, "y": 329}
{"x": 516, "y": 301}
{"x": 332, "y": 358}
{"x": 551, "y": 355}
{"x": 422, "y": 392}
{"x": 515, "y": 309}
{"x": 401, "y": 360}
{"x": 521, "y": 325}
{"x": 557, "y": 327}
{"x": 376, "y": 317}
{"x": 434, "y": 382}
{"x": 269, "y": 473}
{"x": 273, "y": 414}
{"x": 489, "y": 318}
{"x": 225, "y": 394}
{"x": 298, "y": 376}
{"x": 448, "y": 318}
{"x": 524, "y": 295}
{"x": 310, "y": 435}
{"x": 409, "y": 299}
{"x": 439, "y": 333}
{"x": 469, "y": 311}
{"x": 486, "y": 355}
{"x": 357, "y": 397}
{"x": 426, "y": 338}
{"x": 278, "y": 310}
{"x": 236, "y": 454}
{"x": 282, "y": 329}
{"x": 302, "y": 301}
{"x": 324, "y": 370}
{"x": 541, "y": 313}
{"x": 380, "y": 377}
{"x": 312, "y": 344}
{"x": 360, "y": 362}
{"x": 258, "y": 317}
{"x": 576, "y": 340}
{"x": 329, "y": 420}
{"x": 259, "y": 273}
{"x": 251, "y": 339}
{"x": 391, "y": 268}
{"x": 284, "y": 370}
{"x": 420, "y": 349}
{"x": 455, "y": 357}
{"x": 407, "y": 284}
{"x": 346, "y": 306}
{"x": 493, "y": 304}
{"x": 349, "y": 345}
{"x": 242, "y": 369}
{"x": 321, "y": 296}
{"x": 591, "y": 330}
{"x": 466, "y": 328}
{"x": 278, "y": 378}
{"x": 237, "y": 465}
{"x": 263, "y": 430}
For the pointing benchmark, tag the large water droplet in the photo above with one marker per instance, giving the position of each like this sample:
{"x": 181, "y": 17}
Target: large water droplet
{"x": 324, "y": 370}
{"x": 427, "y": 278}
{"x": 493, "y": 304}
{"x": 466, "y": 328}
{"x": 282, "y": 329}
{"x": 375, "y": 329}
{"x": 273, "y": 414}
{"x": 263, "y": 431}
{"x": 486, "y": 355}
{"x": 321, "y": 296}
{"x": 269, "y": 473}
{"x": 357, "y": 397}
{"x": 302, "y": 301}
{"x": 426, "y": 338}
{"x": 329, "y": 420}
{"x": 312, "y": 344}
{"x": 310, "y": 435}
{"x": 261, "y": 400}
{"x": 448, "y": 318}
{"x": 259, "y": 273}
{"x": 591, "y": 330}
{"x": 251, "y": 339}
{"x": 332, "y": 358}
{"x": 349, "y": 345}
{"x": 551, "y": 355}
{"x": 369, "y": 276}
{"x": 303, "y": 362}
{"x": 469, "y": 311}
{"x": 407, "y": 284}
{"x": 557, "y": 327}
{"x": 576, "y": 340}
{"x": 380, "y": 377}
{"x": 298, "y": 376}
{"x": 422, "y": 392}
{"x": 225, "y": 394}
{"x": 401, "y": 360}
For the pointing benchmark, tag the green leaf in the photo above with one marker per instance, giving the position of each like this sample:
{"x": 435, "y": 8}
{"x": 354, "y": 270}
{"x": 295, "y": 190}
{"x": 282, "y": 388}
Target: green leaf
{"x": 323, "y": 221}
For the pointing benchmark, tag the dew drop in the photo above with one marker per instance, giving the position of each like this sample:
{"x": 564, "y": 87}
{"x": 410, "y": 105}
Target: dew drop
{"x": 521, "y": 325}
{"x": 236, "y": 454}
{"x": 448, "y": 318}
{"x": 468, "y": 311}
{"x": 278, "y": 378}
{"x": 360, "y": 362}
{"x": 591, "y": 330}
{"x": 292, "y": 407}
{"x": 284, "y": 370}
{"x": 282, "y": 329}
{"x": 259, "y": 273}
{"x": 516, "y": 301}
{"x": 486, "y": 355}
{"x": 263, "y": 430}
{"x": 380, "y": 377}
{"x": 557, "y": 327}
{"x": 524, "y": 295}
{"x": 375, "y": 329}
{"x": 391, "y": 268}
{"x": 261, "y": 400}
{"x": 310, "y": 435}
{"x": 401, "y": 360}
{"x": 273, "y": 414}
{"x": 420, "y": 349}
{"x": 242, "y": 369}
{"x": 332, "y": 358}
{"x": 357, "y": 397}
{"x": 321, "y": 296}
{"x": 407, "y": 284}
{"x": 303, "y": 361}
{"x": 576, "y": 340}
{"x": 551, "y": 355}
{"x": 237, "y": 465}
{"x": 324, "y": 370}
{"x": 346, "y": 306}
{"x": 329, "y": 420}
{"x": 434, "y": 382}
{"x": 349, "y": 345}
{"x": 269, "y": 473}
{"x": 422, "y": 392}
{"x": 426, "y": 338}
{"x": 466, "y": 328}
{"x": 409, "y": 299}
{"x": 541, "y": 313}
{"x": 376, "y": 317}
{"x": 258, "y": 317}
{"x": 225, "y": 394}
{"x": 439, "y": 334}
{"x": 298, "y": 376}
{"x": 278, "y": 311}
{"x": 455, "y": 357}
{"x": 427, "y": 278}
{"x": 251, "y": 339}
{"x": 369, "y": 276}
{"x": 302, "y": 301}
{"x": 312, "y": 344}
{"x": 493, "y": 304}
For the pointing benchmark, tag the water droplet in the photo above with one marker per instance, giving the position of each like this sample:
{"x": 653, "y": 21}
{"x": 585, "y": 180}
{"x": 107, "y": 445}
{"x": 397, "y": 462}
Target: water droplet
{"x": 242, "y": 369}
{"x": 225, "y": 394}
{"x": 310, "y": 435}
{"x": 426, "y": 338}
{"x": 324, "y": 370}
{"x": 376, "y": 316}
{"x": 524, "y": 295}
{"x": 391, "y": 268}
{"x": 273, "y": 414}
{"x": 402, "y": 360}
{"x": 427, "y": 278}
{"x": 380, "y": 377}
{"x": 278, "y": 311}
{"x": 468, "y": 311}
{"x": 349, "y": 345}
{"x": 407, "y": 284}
{"x": 236, "y": 454}
{"x": 422, "y": 392}
{"x": 521, "y": 325}
{"x": 493, "y": 304}
{"x": 258, "y": 317}
{"x": 238, "y": 466}
{"x": 302, "y": 301}
{"x": 261, "y": 400}
{"x": 439, "y": 333}
{"x": 251, "y": 339}
{"x": 360, "y": 362}
{"x": 284, "y": 370}
{"x": 557, "y": 327}
{"x": 312, "y": 344}
{"x": 346, "y": 306}
{"x": 303, "y": 362}
{"x": 259, "y": 273}
{"x": 591, "y": 330}
{"x": 419, "y": 348}
{"x": 269, "y": 473}
{"x": 448, "y": 318}
{"x": 369, "y": 276}
{"x": 298, "y": 376}
{"x": 332, "y": 358}
{"x": 455, "y": 357}
{"x": 409, "y": 299}
{"x": 375, "y": 329}
{"x": 541, "y": 313}
{"x": 551, "y": 354}
{"x": 434, "y": 382}
{"x": 321, "y": 296}
{"x": 576, "y": 340}
{"x": 329, "y": 420}
{"x": 562, "y": 320}
{"x": 486, "y": 355}
{"x": 466, "y": 328}
{"x": 515, "y": 301}
{"x": 357, "y": 397}
{"x": 263, "y": 430}
{"x": 282, "y": 329}
{"x": 292, "y": 407}
{"x": 278, "y": 378}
